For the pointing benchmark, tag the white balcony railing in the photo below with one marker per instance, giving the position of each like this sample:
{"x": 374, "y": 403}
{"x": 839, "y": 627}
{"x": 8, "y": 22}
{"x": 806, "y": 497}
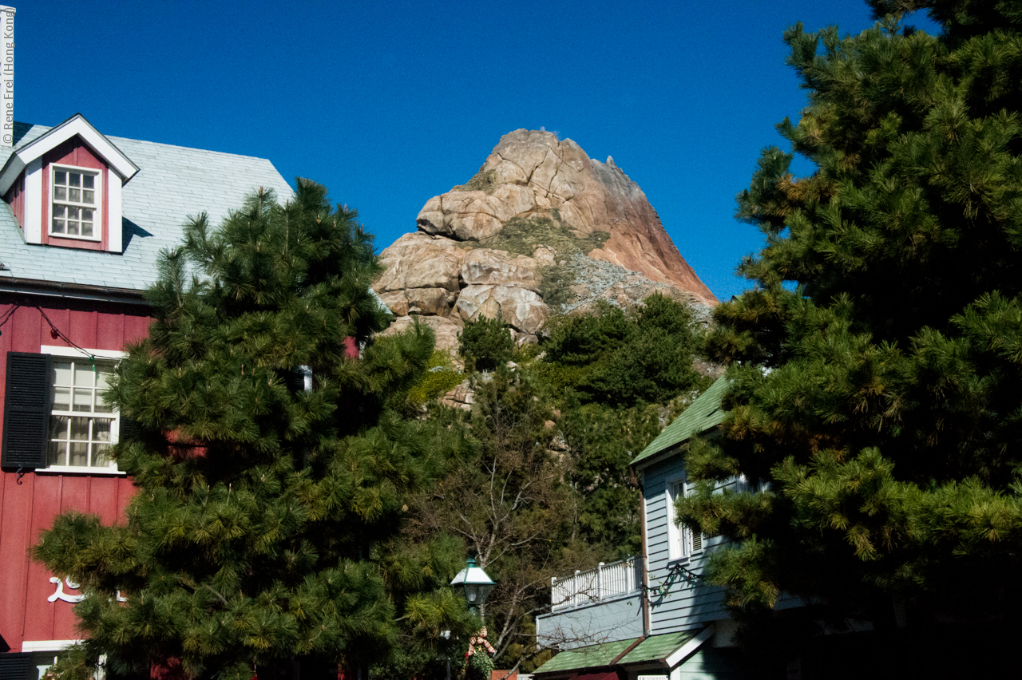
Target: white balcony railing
{"x": 605, "y": 582}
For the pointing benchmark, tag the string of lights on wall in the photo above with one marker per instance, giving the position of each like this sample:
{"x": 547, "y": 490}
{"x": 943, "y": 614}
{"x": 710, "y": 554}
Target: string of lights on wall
{"x": 55, "y": 332}
{"x": 676, "y": 572}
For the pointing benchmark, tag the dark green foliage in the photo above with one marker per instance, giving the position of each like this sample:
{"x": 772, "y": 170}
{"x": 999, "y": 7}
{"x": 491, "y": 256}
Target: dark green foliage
{"x": 505, "y": 497}
{"x": 618, "y": 378}
{"x": 889, "y": 424}
{"x": 540, "y": 484}
{"x": 624, "y": 359}
{"x": 418, "y": 577}
{"x": 480, "y": 666}
{"x": 258, "y": 507}
{"x": 485, "y": 344}
{"x": 602, "y": 442}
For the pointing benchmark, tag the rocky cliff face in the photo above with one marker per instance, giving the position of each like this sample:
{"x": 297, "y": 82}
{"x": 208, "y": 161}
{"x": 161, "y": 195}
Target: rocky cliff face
{"x": 541, "y": 229}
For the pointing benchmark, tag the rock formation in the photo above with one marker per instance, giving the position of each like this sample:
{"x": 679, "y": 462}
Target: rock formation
{"x": 541, "y": 228}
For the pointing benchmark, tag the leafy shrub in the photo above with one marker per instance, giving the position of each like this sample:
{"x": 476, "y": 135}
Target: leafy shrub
{"x": 485, "y": 344}
{"x": 439, "y": 378}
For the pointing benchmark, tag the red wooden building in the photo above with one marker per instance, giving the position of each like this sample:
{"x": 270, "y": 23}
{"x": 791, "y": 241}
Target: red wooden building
{"x": 83, "y": 220}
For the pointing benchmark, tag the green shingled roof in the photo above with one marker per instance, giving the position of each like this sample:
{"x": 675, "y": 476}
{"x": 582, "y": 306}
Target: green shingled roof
{"x": 657, "y": 647}
{"x": 704, "y": 413}
{"x": 586, "y": 657}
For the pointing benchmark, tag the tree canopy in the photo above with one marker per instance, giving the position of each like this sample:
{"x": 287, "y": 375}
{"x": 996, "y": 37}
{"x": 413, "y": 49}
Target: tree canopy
{"x": 270, "y": 465}
{"x": 541, "y": 486}
{"x": 876, "y": 400}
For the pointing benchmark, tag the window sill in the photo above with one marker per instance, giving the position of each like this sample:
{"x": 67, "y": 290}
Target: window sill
{"x": 78, "y": 470}
{"x": 71, "y": 237}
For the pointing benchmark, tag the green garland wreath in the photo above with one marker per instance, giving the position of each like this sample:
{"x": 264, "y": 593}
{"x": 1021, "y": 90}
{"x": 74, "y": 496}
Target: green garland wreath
{"x": 478, "y": 663}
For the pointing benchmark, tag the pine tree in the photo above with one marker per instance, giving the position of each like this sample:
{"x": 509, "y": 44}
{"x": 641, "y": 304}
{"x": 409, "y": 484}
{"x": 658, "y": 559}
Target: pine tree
{"x": 246, "y": 548}
{"x": 876, "y": 389}
{"x": 486, "y": 344}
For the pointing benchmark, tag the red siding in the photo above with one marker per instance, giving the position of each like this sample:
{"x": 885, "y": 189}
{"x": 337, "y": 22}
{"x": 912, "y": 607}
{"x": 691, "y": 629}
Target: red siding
{"x": 28, "y": 505}
{"x": 74, "y": 152}
{"x": 351, "y": 348}
{"x": 15, "y": 197}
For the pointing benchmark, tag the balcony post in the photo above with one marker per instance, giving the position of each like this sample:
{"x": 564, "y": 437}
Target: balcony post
{"x": 599, "y": 581}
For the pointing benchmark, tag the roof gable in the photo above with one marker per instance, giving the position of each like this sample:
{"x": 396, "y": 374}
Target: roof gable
{"x": 704, "y": 413}
{"x": 74, "y": 126}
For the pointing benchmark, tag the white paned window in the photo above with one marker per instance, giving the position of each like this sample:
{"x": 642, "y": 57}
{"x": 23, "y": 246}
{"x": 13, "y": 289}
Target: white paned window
{"x": 75, "y": 210}
{"x": 684, "y": 542}
{"x": 83, "y": 427}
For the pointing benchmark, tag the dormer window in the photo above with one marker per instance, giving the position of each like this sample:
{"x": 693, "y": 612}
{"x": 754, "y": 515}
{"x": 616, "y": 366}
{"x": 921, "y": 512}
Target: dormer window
{"x": 64, "y": 188}
{"x": 75, "y": 202}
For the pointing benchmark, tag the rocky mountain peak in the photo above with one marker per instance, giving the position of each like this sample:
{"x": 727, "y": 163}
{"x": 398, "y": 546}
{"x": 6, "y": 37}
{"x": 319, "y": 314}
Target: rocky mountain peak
{"x": 540, "y": 228}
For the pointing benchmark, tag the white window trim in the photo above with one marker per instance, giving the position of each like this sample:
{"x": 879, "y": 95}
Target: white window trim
{"x": 680, "y": 543}
{"x": 75, "y": 125}
{"x": 47, "y": 645}
{"x": 75, "y": 353}
{"x": 97, "y": 222}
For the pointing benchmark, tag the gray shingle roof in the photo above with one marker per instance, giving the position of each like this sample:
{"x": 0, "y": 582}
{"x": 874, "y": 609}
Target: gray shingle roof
{"x": 704, "y": 413}
{"x": 174, "y": 184}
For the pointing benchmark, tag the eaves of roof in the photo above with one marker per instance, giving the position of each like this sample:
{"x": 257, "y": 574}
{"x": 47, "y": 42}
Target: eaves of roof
{"x": 593, "y": 656}
{"x": 666, "y": 649}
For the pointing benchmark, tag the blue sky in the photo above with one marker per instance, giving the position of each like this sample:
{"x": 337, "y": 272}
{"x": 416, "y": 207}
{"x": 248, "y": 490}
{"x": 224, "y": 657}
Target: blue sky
{"x": 390, "y": 103}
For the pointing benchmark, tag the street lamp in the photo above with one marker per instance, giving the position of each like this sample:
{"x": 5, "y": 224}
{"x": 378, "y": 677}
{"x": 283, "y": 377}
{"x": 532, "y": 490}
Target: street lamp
{"x": 474, "y": 585}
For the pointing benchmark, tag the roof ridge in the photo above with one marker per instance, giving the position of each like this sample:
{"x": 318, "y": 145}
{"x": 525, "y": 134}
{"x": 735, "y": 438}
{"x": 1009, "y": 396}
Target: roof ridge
{"x": 46, "y": 128}
{"x": 190, "y": 148}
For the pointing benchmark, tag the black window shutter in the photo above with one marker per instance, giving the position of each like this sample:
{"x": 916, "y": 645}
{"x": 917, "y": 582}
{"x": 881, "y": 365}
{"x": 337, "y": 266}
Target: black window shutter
{"x": 16, "y": 666}
{"x": 128, "y": 429}
{"x": 26, "y": 411}
{"x": 295, "y": 381}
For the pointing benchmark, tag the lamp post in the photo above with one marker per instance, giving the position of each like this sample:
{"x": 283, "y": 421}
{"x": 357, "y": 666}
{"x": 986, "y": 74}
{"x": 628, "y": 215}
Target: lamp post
{"x": 474, "y": 585}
